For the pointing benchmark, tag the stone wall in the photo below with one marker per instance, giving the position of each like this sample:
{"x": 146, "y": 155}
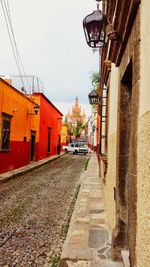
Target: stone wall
{"x": 110, "y": 177}
{"x": 130, "y": 70}
{"x": 137, "y": 51}
{"x": 126, "y": 182}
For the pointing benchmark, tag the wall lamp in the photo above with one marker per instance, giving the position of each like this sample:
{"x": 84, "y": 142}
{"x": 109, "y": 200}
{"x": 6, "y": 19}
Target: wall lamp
{"x": 93, "y": 97}
{"x": 97, "y": 29}
{"x": 36, "y": 109}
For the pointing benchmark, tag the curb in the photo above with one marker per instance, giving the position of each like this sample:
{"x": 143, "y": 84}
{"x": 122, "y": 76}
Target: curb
{"x": 88, "y": 243}
{"x": 5, "y": 177}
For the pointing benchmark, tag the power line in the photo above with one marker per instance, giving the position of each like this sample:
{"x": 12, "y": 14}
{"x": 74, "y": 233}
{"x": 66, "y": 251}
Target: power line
{"x": 8, "y": 20}
{"x": 9, "y": 34}
{"x": 13, "y": 35}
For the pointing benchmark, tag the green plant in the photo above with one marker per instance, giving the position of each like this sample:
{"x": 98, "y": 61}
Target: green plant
{"x": 55, "y": 261}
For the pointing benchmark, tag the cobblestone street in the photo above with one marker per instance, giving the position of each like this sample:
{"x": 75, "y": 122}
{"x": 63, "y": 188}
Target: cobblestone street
{"x": 34, "y": 212}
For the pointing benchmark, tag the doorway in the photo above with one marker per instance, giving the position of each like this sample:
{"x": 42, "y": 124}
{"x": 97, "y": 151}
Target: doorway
{"x": 123, "y": 179}
{"x": 32, "y": 146}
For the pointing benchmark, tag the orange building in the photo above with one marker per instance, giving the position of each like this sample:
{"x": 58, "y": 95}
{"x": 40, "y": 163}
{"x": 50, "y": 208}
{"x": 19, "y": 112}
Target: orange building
{"x": 24, "y": 135}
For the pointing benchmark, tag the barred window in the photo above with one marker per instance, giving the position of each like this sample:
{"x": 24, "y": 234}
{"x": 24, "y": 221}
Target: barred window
{"x": 104, "y": 121}
{"x": 5, "y": 140}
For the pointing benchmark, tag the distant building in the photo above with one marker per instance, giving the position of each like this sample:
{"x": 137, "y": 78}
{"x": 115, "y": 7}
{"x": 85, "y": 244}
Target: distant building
{"x": 64, "y": 134}
{"x": 76, "y": 121}
{"x": 76, "y": 114}
{"x": 92, "y": 131}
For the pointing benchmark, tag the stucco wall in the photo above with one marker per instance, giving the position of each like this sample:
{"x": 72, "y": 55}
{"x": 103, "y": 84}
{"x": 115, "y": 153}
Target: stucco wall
{"x": 143, "y": 196}
{"x": 110, "y": 182}
{"x": 145, "y": 57}
{"x": 110, "y": 179}
{"x": 15, "y": 104}
{"x": 138, "y": 48}
{"x": 143, "y": 148}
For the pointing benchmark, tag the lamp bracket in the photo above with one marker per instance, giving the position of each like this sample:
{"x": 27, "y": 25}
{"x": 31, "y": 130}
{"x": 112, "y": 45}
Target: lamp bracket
{"x": 98, "y": 1}
{"x": 111, "y": 33}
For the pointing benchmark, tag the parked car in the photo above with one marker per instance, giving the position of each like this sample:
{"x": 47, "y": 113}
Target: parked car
{"x": 75, "y": 148}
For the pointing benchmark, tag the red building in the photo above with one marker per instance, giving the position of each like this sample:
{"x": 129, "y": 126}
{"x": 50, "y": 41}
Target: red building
{"x": 50, "y": 123}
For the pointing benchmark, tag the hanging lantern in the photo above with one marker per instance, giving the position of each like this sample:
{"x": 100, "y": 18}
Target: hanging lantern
{"x": 93, "y": 97}
{"x": 36, "y": 109}
{"x": 94, "y": 26}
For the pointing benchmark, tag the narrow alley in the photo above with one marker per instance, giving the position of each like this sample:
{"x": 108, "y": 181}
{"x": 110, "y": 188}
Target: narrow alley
{"x": 35, "y": 211}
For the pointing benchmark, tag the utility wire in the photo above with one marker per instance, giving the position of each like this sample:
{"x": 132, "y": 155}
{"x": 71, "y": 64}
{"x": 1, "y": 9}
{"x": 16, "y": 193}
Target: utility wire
{"x": 12, "y": 45}
{"x": 8, "y": 20}
{"x": 13, "y": 35}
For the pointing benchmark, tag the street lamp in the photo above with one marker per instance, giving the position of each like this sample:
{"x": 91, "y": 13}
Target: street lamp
{"x": 93, "y": 97}
{"x": 36, "y": 109}
{"x": 94, "y": 26}
{"x": 97, "y": 28}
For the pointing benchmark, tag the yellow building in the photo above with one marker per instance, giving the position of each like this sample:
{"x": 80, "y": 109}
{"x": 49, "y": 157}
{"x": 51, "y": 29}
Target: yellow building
{"x": 64, "y": 134}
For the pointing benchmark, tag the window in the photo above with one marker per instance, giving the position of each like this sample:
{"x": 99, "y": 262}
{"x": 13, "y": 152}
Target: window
{"x": 5, "y": 140}
{"x": 104, "y": 111}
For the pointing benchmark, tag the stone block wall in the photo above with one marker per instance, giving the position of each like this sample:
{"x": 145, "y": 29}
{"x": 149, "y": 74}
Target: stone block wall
{"x": 110, "y": 176}
{"x": 110, "y": 182}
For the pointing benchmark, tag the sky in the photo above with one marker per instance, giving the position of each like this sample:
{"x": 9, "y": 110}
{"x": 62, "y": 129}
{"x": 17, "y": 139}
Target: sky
{"x": 52, "y": 46}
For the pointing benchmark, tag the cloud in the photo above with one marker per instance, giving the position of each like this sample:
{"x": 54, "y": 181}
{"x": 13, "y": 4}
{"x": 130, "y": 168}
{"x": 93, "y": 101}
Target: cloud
{"x": 51, "y": 41}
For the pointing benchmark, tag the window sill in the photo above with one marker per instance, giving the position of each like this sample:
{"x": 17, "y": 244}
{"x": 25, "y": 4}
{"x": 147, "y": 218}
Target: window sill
{"x": 5, "y": 150}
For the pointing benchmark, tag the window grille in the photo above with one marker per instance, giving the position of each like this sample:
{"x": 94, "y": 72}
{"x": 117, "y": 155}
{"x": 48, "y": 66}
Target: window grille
{"x": 6, "y": 123}
{"x": 103, "y": 131}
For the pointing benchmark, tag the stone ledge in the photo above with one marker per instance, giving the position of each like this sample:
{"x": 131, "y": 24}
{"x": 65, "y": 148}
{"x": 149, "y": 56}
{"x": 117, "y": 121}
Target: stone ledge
{"x": 125, "y": 257}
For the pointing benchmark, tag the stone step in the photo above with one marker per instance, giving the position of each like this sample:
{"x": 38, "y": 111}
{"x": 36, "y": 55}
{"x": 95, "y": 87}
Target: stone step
{"x": 125, "y": 258}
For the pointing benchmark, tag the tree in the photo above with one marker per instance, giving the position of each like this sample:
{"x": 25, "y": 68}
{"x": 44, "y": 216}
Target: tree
{"x": 95, "y": 78}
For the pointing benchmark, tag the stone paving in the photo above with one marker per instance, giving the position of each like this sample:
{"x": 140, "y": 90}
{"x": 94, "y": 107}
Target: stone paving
{"x": 87, "y": 243}
{"x": 35, "y": 211}
{"x": 4, "y": 177}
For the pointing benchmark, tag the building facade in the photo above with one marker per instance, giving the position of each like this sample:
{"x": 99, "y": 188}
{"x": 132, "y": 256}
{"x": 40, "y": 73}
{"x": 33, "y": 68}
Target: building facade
{"x": 50, "y": 123}
{"x": 92, "y": 129}
{"x": 125, "y": 71}
{"x": 76, "y": 122}
{"x": 76, "y": 114}
{"x": 24, "y": 135}
{"x": 64, "y": 134}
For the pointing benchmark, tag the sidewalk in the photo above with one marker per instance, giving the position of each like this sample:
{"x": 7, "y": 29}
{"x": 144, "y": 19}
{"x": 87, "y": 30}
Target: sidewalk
{"x": 87, "y": 243}
{"x": 4, "y": 177}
